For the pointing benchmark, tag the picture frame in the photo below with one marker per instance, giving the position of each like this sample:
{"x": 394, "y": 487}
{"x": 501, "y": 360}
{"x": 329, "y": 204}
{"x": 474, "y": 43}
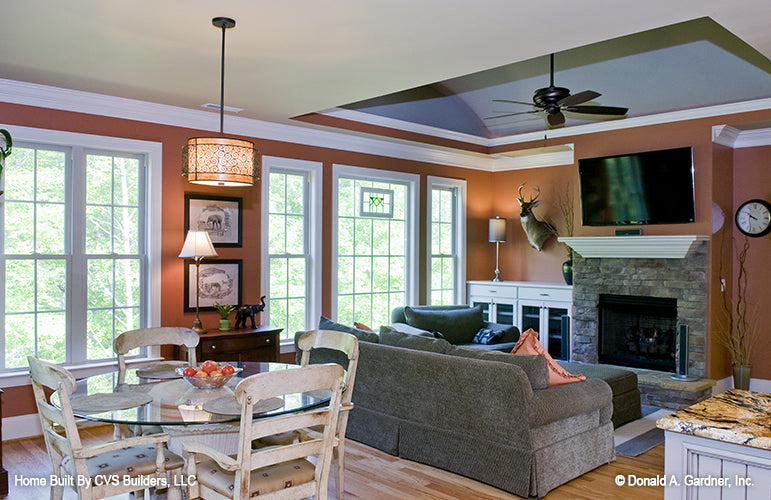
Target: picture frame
{"x": 219, "y": 215}
{"x": 219, "y": 281}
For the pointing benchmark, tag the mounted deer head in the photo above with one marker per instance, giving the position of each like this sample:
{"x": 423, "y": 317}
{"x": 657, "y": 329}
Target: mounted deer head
{"x": 537, "y": 231}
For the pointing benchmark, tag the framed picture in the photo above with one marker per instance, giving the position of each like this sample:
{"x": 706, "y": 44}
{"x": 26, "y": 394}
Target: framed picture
{"x": 219, "y": 215}
{"x": 219, "y": 281}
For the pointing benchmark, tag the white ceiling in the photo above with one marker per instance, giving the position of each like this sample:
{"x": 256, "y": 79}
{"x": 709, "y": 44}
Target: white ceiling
{"x": 285, "y": 59}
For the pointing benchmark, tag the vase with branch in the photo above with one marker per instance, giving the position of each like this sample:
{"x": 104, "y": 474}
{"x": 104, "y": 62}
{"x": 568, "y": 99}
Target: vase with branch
{"x": 565, "y": 203}
{"x": 737, "y": 328}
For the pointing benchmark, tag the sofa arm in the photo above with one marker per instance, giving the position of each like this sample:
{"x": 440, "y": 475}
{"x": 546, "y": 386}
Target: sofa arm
{"x": 562, "y": 401}
{"x": 510, "y": 332}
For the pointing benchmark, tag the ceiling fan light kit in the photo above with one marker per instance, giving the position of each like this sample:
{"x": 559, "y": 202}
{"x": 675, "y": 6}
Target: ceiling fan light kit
{"x": 220, "y": 161}
{"x": 554, "y": 100}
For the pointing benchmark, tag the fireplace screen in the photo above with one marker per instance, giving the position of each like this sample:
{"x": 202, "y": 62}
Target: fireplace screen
{"x": 637, "y": 331}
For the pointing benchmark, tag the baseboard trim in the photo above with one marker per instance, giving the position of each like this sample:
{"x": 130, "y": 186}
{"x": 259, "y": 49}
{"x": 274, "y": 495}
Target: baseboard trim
{"x": 21, "y": 426}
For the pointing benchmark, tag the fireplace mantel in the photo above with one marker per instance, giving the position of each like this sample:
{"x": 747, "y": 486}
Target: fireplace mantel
{"x": 640, "y": 247}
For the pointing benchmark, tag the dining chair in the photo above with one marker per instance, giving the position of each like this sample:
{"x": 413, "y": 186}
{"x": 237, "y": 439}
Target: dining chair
{"x": 103, "y": 469}
{"x": 299, "y": 469}
{"x": 348, "y": 345}
{"x": 145, "y": 337}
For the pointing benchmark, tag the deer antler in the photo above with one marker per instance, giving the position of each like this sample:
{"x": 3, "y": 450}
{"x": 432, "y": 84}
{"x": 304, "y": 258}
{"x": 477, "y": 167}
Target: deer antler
{"x": 521, "y": 198}
{"x": 532, "y": 198}
{"x": 537, "y": 194}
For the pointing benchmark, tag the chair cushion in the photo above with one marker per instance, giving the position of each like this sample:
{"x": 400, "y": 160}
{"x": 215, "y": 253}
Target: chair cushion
{"x": 264, "y": 480}
{"x": 458, "y": 325}
{"x": 529, "y": 344}
{"x": 133, "y": 461}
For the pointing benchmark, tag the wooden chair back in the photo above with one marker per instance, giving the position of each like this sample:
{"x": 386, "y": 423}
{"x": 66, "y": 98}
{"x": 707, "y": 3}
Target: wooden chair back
{"x": 264, "y": 386}
{"x": 66, "y": 449}
{"x": 338, "y": 341}
{"x": 143, "y": 337}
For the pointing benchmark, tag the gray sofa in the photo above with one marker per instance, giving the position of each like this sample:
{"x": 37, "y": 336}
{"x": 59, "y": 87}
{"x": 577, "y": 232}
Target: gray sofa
{"x": 486, "y": 415}
{"x": 466, "y": 323}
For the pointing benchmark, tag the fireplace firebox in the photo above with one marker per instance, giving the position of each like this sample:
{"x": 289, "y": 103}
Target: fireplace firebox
{"x": 637, "y": 331}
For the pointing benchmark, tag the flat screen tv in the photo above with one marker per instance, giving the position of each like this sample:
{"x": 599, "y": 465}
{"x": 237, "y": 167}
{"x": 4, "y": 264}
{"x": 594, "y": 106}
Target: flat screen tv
{"x": 654, "y": 187}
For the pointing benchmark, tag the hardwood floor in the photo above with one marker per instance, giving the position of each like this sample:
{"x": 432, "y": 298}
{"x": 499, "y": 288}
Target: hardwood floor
{"x": 374, "y": 475}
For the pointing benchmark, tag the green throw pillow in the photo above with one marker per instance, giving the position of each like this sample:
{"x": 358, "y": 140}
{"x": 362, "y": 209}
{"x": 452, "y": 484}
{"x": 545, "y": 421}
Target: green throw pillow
{"x": 457, "y": 326}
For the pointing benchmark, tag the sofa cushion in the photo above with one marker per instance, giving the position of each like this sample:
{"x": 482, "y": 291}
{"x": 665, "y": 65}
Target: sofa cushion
{"x": 534, "y": 366}
{"x": 366, "y": 336}
{"x": 457, "y": 325}
{"x": 397, "y": 313}
{"x": 410, "y": 330}
{"x": 529, "y": 344}
{"x": 389, "y": 336}
{"x": 619, "y": 379}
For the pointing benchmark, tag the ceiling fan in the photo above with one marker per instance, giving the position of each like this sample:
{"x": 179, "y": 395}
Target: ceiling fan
{"x": 554, "y": 100}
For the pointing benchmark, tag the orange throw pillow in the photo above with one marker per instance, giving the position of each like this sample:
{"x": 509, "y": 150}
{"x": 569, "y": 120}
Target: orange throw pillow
{"x": 362, "y": 326}
{"x": 528, "y": 344}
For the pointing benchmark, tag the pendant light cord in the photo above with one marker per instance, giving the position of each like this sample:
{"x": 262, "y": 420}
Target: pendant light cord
{"x": 222, "y": 82}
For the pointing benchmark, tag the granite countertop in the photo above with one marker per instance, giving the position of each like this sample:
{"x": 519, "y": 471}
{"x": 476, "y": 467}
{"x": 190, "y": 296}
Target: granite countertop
{"x": 736, "y": 416}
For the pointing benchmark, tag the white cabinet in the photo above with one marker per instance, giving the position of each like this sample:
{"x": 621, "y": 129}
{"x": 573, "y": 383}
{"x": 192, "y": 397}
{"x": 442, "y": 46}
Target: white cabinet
{"x": 544, "y": 307}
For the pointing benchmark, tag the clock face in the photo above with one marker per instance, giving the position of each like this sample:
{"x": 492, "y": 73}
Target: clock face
{"x": 753, "y": 218}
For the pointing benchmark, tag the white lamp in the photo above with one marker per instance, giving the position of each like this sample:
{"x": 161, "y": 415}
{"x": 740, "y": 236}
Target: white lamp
{"x": 197, "y": 246}
{"x": 497, "y": 236}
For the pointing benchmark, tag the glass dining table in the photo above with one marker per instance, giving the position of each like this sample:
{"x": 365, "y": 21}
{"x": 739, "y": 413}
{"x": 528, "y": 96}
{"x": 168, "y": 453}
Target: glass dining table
{"x": 158, "y": 396}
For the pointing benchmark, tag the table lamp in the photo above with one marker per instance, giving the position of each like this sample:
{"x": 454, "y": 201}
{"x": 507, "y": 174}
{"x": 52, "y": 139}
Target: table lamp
{"x": 497, "y": 236}
{"x": 197, "y": 246}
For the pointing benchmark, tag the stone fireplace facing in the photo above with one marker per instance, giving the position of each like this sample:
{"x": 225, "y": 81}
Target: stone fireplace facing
{"x": 680, "y": 283}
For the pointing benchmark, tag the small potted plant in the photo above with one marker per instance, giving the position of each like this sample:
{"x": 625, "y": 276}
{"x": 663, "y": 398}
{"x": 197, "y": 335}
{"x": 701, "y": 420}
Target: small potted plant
{"x": 224, "y": 311}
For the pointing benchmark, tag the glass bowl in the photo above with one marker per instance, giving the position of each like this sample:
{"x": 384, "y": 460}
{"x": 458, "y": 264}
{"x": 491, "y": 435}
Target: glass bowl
{"x": 208, "y": 382}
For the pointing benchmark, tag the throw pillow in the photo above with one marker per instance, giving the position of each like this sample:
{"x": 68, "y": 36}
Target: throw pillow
{"x": 529, "y": 344}
{"x": 389, "y": 336}
{"x": 487, "y": 336}
{"x": 410, "y": 330}
{"x": 362, "y": 326}
{"x": 458, "y": 326}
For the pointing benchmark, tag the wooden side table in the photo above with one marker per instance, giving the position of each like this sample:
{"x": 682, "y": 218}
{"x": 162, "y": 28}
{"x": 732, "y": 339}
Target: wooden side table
{"x": 245, "y": 344}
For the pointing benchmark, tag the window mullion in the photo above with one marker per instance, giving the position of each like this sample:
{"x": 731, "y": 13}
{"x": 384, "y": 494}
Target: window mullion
{"x": 77, "y": 269}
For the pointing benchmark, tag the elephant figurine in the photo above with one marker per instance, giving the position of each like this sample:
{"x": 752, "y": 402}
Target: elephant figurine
{"x": 247, "y": 311}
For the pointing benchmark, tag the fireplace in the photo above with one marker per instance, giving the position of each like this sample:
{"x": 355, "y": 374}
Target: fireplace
{"x": 637, "y": 331}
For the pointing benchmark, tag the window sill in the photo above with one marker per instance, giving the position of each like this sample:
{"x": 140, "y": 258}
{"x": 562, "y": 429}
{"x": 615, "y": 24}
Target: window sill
{"x": 13, "y": 379}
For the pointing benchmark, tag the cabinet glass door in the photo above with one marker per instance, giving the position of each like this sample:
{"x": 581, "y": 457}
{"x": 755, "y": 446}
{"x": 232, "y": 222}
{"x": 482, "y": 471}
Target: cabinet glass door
{"x": 531, "y": 318}
{"x": 558, "y": 337}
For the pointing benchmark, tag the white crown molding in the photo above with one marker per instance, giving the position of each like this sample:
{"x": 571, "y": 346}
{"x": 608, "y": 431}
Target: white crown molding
{"x": 117, "y": 107}
{"x": 735, "y": 138}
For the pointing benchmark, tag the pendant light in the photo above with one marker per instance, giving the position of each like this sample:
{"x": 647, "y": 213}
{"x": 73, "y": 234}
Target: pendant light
{"x": 220, "y": 161}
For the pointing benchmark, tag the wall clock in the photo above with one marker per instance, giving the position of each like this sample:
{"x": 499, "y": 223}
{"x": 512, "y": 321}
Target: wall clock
{"x": 753, "y": 218}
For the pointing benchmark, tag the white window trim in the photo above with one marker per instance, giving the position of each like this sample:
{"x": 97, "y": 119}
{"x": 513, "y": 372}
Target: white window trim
{"x": 460, "y": 234}
{"x": 412, "y": 230}
{"x": 153, "y": 229}
{"x": 314, "y": 170}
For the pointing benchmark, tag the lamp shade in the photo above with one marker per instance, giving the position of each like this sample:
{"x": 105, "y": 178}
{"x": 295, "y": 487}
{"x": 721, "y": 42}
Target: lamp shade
{"x": 497, "y": 230}
{"x": 220, "y": 161}
{"x": 197, "y": 246}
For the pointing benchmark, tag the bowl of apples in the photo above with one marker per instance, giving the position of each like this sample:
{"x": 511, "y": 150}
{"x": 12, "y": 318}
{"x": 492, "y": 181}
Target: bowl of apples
{"x": 208, "y": 375}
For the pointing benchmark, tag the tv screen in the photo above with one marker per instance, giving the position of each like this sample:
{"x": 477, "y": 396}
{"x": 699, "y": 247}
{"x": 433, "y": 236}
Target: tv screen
{"x": 654, "y": 187}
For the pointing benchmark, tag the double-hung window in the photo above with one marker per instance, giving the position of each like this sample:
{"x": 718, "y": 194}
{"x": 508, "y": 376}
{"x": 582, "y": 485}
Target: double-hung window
{"x": 374, "y": 243}
{"x": 446, "y": 241}
{"x": 75, "y": 257}
{"x": 291, "y": 243}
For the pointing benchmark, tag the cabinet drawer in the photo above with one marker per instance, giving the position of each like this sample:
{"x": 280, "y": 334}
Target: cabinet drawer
{"x": 492, "y": 290}
{"x": 552, "y": 294}
{"x": 234, "y": 344}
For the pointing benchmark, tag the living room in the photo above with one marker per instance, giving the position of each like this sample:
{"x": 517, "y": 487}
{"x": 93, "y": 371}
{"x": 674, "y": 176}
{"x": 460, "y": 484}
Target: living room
{"x": 729, "y": 169}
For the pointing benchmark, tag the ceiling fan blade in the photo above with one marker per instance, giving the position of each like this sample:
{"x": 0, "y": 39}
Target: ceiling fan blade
{"x": 581, "y": 97}
{"x": 514, "y": 102}
{"x": 555, "y": 119}
{"x": 513, "y": 114}
{"x": 597, "y": 110}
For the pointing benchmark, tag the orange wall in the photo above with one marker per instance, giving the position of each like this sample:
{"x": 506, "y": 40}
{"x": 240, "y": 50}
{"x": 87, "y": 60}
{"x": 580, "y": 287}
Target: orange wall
{"x": 489, "y": 194}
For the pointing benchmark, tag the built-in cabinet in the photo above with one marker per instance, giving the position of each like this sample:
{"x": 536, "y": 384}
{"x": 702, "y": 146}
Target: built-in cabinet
{"x": 544, "y": 307}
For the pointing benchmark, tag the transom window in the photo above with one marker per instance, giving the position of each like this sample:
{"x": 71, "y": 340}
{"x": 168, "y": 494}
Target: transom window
{"x": 374, "y": 244}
